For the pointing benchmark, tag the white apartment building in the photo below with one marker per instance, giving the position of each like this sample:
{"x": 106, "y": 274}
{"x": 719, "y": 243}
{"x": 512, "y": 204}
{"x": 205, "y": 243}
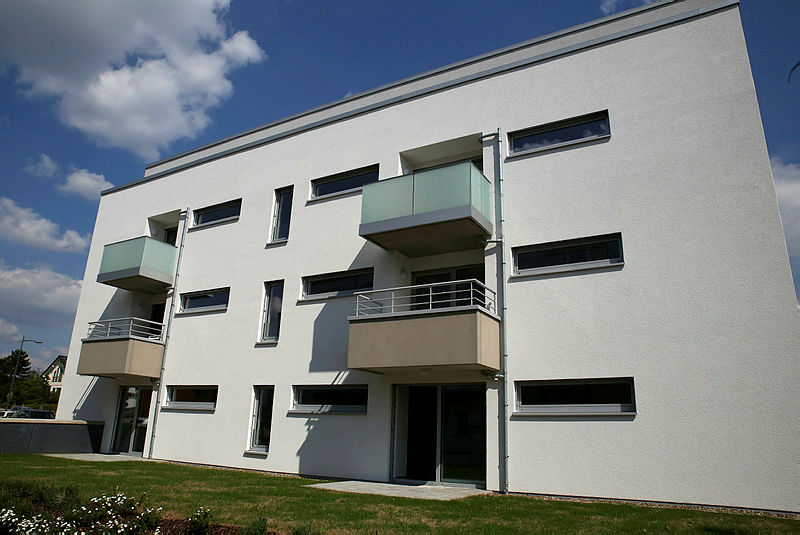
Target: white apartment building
{"x": 555, "y": 268}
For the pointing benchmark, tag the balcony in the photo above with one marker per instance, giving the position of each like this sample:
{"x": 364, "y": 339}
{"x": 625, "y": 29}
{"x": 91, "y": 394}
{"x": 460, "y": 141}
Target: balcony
{"x": 131, "y": 349}
{"x": 430, "y": 327}
{"x": 429, "y": 212}
{"x": 140, "y": 264}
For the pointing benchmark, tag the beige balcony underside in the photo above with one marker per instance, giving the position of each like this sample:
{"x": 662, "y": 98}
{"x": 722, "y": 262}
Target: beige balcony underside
{"x": 125, "y": 358}
{"x": 438, "y": 341}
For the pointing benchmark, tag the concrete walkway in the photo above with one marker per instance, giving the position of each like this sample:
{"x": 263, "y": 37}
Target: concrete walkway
{"x": 422, "y": 492}
{"x": 97, "y": 457}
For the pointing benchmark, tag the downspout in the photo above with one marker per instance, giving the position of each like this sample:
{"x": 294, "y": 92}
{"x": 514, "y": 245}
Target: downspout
{"x": 501, "y": 301}
{"x": 170, "y": 316}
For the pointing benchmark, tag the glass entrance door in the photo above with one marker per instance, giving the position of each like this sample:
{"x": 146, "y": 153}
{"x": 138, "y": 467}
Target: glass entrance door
{"x": 440, "y": 433}
{"x": 132, "y": 419}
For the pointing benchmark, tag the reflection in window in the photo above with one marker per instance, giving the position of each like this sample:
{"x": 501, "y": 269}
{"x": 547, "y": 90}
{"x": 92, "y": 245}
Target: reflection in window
{"x": 582, "y": 128}
{"x": 344, "y": 181}
{"x": 283, "y": 213}
{"x": 218, "y": 212}
{"x": 272, "y": 311}
{"x": 210, "y": 299}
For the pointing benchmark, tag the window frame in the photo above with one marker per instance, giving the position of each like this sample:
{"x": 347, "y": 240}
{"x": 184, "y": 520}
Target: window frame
{"x": 278, "y": 210}
{"x": 570, "y": 266}
{"x": 335, "y": 275}
{"x": 315, "y": 183}
{"x": 575, "y": 409}
{"x": 213, "y": 308}
{"x": 191, "y": 405}
{"x": 557, "y": 125}
{"x": 256, "y": 418}
{"x": 265, "y": 313}
{"x": 299, "y": 408}
{"x": 200, "y": 211}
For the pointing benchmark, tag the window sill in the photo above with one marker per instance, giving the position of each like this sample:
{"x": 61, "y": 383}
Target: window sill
{"x": 338, "y": 194}
{"x": 266, "y": 343}
{"x": 200, "y": 311}
{"x": 582, "y": 414}
{"x": 188, "y": 408}
{"x": 566, "y": 268}
{"x": 316, "y": 412}
{"x": 325, "y": 297}
{"x": 213, "y": 223}
{"x": 256, "y": 453}
{"x": 556, "y": 146}
{"x": 276, "y": 243}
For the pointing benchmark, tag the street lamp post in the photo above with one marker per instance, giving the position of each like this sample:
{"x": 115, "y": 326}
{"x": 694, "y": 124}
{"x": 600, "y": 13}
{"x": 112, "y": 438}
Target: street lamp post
{"x": 16, "y": 368}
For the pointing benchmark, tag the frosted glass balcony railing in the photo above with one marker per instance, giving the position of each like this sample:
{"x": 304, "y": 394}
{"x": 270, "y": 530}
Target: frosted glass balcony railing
{"x": 140, "y": 264}
{"x": 452, "y": 202}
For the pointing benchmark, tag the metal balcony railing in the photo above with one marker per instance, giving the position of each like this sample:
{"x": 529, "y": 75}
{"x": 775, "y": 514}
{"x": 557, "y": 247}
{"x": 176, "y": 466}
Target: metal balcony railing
{"x": 125, "y": 328}
{"x": 423, "y": 297}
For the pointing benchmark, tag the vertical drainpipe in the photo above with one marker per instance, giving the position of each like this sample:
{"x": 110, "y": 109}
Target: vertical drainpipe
{"x": 501, "y": 305}
{"x": 184, "y": 214}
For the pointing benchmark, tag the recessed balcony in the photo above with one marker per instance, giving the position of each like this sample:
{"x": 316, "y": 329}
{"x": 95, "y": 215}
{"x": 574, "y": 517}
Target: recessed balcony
{"x": 123, "y": 348}
{"x": 435, "y": 211}
{"x": 448, "y": 326}
{"x": 140, "y": 264}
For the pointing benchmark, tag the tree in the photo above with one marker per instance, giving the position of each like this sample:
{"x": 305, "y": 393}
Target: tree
{"x": 13, "y": 368}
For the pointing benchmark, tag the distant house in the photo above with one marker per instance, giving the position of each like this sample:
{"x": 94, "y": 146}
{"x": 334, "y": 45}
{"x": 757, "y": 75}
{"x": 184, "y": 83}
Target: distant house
{"x": 55, "y": 373}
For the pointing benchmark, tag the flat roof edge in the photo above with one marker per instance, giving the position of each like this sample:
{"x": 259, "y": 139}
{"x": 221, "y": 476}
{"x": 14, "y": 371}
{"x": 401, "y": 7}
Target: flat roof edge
{"x": 688, "y": 14}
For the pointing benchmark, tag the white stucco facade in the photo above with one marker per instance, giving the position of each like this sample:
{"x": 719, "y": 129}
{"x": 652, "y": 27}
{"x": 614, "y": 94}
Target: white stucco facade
{"x": 702, "y": 314}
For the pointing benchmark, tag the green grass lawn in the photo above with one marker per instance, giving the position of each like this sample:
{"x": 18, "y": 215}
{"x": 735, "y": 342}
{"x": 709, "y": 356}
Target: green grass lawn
{"x": 238, "y": 497}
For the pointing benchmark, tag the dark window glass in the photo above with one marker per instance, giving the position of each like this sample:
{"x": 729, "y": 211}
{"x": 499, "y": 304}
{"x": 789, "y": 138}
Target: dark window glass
{"x": 272, "y": 311}
{"x": 600, "y": 248}
{"x": 181, "y": 394}
{"x": 217, "y": 212}
{"x": 263, "y": 418}
{"x": 283, "y": 214}
{"x": 570, "y": 130}
{"x": 345, "y": 181}
{"x": 212, "y": 298}
{"x": 345, "y": 282}
{"x": 341, "y": 395}
{"x": 578, "y": 393}
{"x": 171, "y": 235}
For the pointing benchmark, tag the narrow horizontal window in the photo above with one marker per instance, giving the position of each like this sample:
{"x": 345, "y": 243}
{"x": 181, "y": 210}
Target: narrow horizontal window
{"x": 273, "y": 301}
{"x": 582, "y": 128}
{"x": 582, "y": 253}
{"x": 283, "y": 214}
{"x": 262, "y": 418}
{"x": 206, "y": 300}
{"x": 341, "y": 283}
{"x": 192, "y": 397}
{"x": 339, "y": 398}
{"x": 218, "y": 212}
{"x": 344, "y": 181}
{"x": 577, "y": 396}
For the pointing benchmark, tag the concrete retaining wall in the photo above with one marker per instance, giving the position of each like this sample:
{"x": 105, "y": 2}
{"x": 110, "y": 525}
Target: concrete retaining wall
{"x": 22, "y": 435}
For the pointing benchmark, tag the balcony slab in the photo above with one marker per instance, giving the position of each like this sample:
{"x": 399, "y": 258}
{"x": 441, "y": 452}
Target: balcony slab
{"x": 129, "y": 359}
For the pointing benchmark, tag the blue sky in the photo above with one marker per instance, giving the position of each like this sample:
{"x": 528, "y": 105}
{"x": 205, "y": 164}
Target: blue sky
{"x": 92, "y": 90}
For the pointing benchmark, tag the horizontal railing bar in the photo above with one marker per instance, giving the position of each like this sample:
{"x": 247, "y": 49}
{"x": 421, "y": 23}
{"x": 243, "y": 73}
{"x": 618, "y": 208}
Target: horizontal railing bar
{"x": 126, "y": 319}
{"x": 463, "y": 281}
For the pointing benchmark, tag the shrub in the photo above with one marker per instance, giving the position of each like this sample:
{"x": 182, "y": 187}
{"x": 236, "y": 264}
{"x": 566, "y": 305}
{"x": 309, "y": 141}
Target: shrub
{"x": 198, "y": 522}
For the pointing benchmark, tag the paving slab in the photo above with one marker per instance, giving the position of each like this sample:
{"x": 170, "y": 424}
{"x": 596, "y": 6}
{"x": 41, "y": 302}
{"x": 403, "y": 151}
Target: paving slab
{"x": 97, "y": 457}
{"x": 422, "y": 492}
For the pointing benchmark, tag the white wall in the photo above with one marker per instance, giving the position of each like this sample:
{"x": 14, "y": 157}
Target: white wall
{"x": 702, "y": 315}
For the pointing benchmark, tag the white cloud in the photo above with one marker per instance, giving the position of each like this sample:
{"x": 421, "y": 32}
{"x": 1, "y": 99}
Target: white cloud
{"x": 9, "y": 334}
{"x": 46, "y": 356}
{"x": 133, "y": 75}
{"x": 85, "y": 183}
{"x": 23, "y": 225}
{"x": 787, "y": 186}
{"x": 38, "y": 296}
{"x": 45, "y": 167}
{"x": 608, "y": 7}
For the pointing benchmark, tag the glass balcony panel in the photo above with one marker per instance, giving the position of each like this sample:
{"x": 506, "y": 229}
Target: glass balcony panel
{"x": 122, "y": 255}
{"x": 141, "y": 264}
{"x": 442, "y": 188}
{"x": 387, "y": 199}
{"x": 159, "y": 256}
{"x": 481, "y": 193}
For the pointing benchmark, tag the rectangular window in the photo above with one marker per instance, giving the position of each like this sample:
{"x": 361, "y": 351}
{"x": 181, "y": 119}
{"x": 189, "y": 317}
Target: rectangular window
{"x": 338, "y": 398}
{"x": 560, "y": 133}
{"x": 350, "y": 180}
{"x": 577, "y": 396}
{"x": 217, "y": 213}
{"x": 262, "y": 418}
{"x": 205, "y": 301}
{"x": 569, "y": 255}
{"x": 283, "y": 214}
{"x": 342, "y": 283}
{"x": 272, "y": 311}
{"x": 192, "y": 397}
